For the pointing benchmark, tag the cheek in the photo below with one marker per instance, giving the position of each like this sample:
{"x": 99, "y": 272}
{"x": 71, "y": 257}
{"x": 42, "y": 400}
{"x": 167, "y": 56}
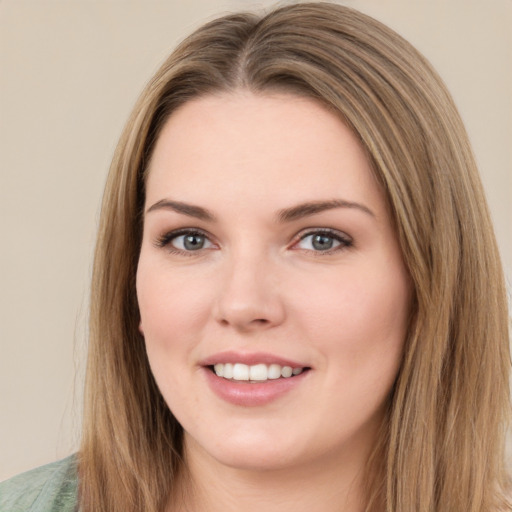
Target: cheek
{"x": 169, "y": 303}
{"x": 359, "y": 322}
{"x": 171, "y": 313}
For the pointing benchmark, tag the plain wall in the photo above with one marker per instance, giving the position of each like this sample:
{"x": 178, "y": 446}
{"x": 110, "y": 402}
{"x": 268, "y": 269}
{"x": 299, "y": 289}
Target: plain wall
{"x": 70, "y": 72}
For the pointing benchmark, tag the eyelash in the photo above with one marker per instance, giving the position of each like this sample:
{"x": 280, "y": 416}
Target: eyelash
{"x": 345, "y": 241}
{"x": 165, "y": 240}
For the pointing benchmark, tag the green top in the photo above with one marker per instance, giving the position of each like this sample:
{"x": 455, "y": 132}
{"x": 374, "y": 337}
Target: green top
{"x": 50, "y": 488}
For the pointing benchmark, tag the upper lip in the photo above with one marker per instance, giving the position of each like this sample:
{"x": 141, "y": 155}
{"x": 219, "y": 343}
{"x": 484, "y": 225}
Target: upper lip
{"x": 250, "y": 359}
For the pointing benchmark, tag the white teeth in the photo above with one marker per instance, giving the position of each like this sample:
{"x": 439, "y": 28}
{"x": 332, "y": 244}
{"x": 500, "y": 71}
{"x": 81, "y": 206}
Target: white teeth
{"x": 240, "y": 371}
{"x": 227, "y": 372}
{"x": 286, "y": 371}
{"x": 258, "y": 372}
{"x": 274, "y": 371}
{"x": 254, "y": 373}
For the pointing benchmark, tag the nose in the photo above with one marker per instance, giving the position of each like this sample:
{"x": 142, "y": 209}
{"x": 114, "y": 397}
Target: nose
{"x": 249, "y": 296}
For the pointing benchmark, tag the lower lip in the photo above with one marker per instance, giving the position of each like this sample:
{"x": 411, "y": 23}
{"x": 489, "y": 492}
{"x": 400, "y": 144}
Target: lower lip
{"x": 252, "y": 394}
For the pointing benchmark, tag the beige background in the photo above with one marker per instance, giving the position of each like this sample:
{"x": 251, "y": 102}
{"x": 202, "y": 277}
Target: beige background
{"x": 69, "y": 74}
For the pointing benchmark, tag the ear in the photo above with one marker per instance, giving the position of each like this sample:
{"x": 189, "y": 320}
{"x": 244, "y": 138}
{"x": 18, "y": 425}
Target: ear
{"x": 141, "y": 330}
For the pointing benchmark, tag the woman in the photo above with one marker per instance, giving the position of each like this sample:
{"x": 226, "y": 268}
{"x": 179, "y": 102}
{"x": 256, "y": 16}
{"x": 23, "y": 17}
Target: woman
{"x": 297, "y": 297}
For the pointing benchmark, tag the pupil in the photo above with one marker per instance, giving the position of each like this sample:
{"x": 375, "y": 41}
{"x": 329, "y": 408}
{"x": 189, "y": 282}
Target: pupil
{"x": 193, "y": 242}
{"x": 322, "y": 242}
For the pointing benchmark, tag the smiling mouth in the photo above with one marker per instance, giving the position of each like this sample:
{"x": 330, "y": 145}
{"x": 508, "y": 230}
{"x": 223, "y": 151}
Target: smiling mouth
{"x": 255, "y": 373}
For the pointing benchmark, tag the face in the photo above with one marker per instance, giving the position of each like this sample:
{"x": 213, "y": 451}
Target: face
{"x": 272, "y": 291}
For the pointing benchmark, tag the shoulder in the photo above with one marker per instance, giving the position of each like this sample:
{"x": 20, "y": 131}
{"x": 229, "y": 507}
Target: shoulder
{"x": 50, "y": 488}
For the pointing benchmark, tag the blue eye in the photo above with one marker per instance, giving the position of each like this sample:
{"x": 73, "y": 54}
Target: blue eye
{"x": 185, "y": 241}
{"x": 323, "y": 241}
{"x": 191, "y": 242}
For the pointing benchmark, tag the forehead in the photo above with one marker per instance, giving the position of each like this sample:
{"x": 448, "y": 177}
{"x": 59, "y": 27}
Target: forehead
{"x": 258, "y": 145}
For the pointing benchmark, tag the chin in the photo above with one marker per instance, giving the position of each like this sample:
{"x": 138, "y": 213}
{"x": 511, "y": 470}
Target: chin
{"x": 258, "y": 460}
{"x": 250, "y": 452}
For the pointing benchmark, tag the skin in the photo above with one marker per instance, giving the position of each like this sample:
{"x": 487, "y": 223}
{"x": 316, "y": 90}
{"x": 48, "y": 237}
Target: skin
{"x": 259, "y": 284}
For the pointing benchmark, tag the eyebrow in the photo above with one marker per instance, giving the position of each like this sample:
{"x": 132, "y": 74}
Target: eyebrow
{"x": 184, "y": 208}
{"x": 310, "y": 208}
{"x": 284, "y": 215}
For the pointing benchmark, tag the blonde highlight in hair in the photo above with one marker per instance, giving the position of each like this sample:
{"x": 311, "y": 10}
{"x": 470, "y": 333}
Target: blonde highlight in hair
{"x": 442, "y": 446}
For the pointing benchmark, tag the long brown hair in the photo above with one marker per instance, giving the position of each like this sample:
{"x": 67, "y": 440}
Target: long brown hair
{"x": 442, "y": 446}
